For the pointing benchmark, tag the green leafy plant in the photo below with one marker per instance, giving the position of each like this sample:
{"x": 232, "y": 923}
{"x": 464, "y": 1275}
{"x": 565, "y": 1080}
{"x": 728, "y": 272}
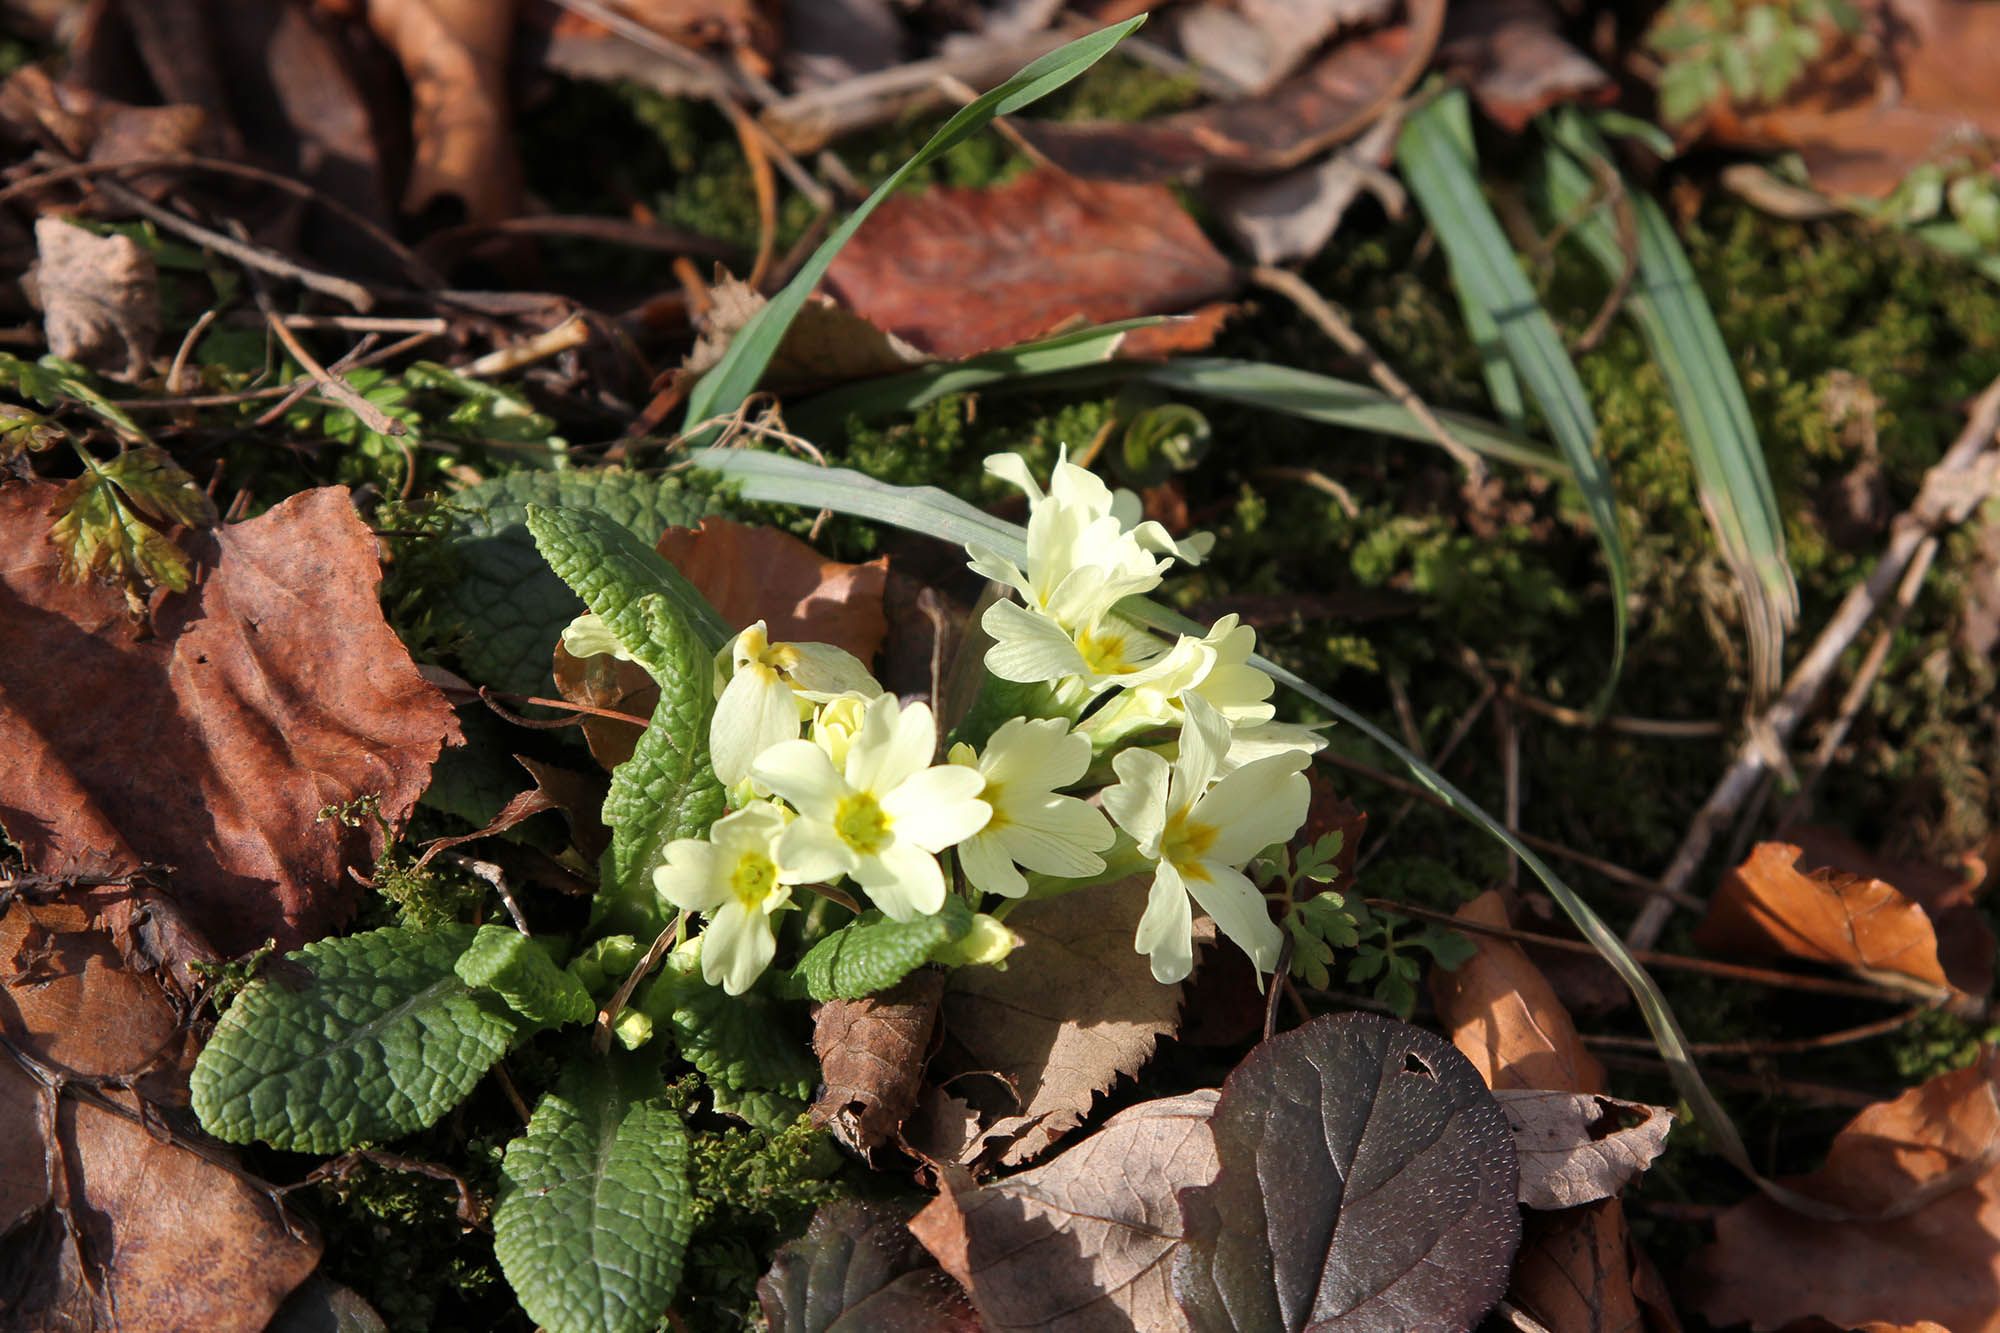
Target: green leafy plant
{"x": 1748, "y": 52}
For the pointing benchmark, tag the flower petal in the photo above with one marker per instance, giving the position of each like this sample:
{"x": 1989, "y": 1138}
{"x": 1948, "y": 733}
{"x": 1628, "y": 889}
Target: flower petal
{"x": 990, "y": 867}
{"x": 1204, "y": 741}
{"x": 1259, "y": 804}
{"x": 938, "y": 807}
{"x": 894, "y": 742}
{"x": 1139, "y": 802}
{"x": 1029, "y": 647}
{"x": 800, "y": 772}
{"x": 1060, "y": 836}
{"x": 589, "y": 636}
{"x": 812, "y": 853}
{"x": 736, "y": 948}
{"x": 1239, "y": 911}
{"x": 903, "y": 880}
{"x": 823, "y": 671}
{"x": 1166, "y": 931}
{"x": 687, "y": 879}
{"x": 756, "y": 711}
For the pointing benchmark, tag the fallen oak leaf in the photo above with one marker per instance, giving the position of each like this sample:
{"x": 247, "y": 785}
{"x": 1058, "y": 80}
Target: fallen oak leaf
{"x": 1076, "y": 1009}
{"x": 1087, "y": 1240}
{"x": 1516, "y": 61}
{"x": 454, "y": 54}
{"x": 1769, "y": 906}
{"x": 1574, "y": 1148}
{"x": 858, "y": 1267}
{"x": 1924, "y": 1163}
{"x": 1049, "y": 250}
{"x": 272, "y": 695}
{"x": 760, "y": 573}
{"x": 1575, "y": 1271}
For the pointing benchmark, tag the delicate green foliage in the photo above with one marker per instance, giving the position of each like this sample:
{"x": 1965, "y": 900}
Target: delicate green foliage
{"x": 485, "y": 411}
{"x": 733, "y": 379}
{"x": 223, "y": 981}
{"x": 1679, "y": 328}
{"x": 381, "y": 390}
{"x": 668, "y": 788}
{"x": 159, "y": 487}
{"x": 1386, "y": 960}
{"x": 738, "y": 1042}
{"x": 23, "y": 431}
{"x": 56, "y": 384}
{"x": 761, "y": 1109}
{"x": 350, "y": 1039}
{"x": 506, "y": 605}
{"x": 519, "y": 970}
{"x": 1748, "y": 52}
{"x": 872, "y": 953}
{"x": 1161, "y": 440}
{"x": 1435, "y": 152}
{"x": 97, "y": 535}
{"x": 594, "y": 1209}
{"x": 605, "y": 963}
{"x": 1318, "y": 926}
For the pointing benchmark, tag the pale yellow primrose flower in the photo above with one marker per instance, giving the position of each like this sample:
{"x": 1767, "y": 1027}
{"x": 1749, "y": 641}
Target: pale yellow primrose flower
{"x": 883, "y": 814}
{"x": 1025, "y": 764}
{"x": 1201, "y": 836}
{"x": 771, "y": 689}
{"x": 589, "y": 636}
{"x": 836, "y": 722}
{"x": 1087, "y": 550}
{"x": 737, "y": 878}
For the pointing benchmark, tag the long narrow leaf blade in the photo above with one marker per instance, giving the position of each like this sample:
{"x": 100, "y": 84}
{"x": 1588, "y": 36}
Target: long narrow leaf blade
{"x": 1667, "y": 305}
{"x": 922, "y": 509}
{"x": 735, "y": 376}
{"x": 1435, "y": 155}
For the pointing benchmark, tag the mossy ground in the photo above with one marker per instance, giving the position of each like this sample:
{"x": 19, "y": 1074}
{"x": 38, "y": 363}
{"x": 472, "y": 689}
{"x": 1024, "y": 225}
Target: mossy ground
{"x": 1857, "y": 349}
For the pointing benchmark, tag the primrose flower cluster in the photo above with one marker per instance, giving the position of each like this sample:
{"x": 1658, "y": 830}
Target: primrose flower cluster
{"x": 833, "y": 779}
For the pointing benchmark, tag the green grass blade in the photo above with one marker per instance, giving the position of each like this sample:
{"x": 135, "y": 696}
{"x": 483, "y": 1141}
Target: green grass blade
{"x": 735, "y": 376}
{"x": 1435, "y": 153}
{"x": 783, "y": 480}
{"x": 1667, "y": 304}
{"x": 1503, "y": 385}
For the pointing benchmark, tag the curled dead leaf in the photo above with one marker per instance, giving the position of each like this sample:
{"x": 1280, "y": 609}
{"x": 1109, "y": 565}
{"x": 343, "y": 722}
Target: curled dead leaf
{"x": 1928, "y": 1159}
{"x": 454, "y": 54}
{"x": 1505, "y": 1017}
{"x": 1577, "y": 1148}
{"x": 273, "y": 695}
{"x": 100, "y": 298}
{"x": 872, "y": 1054}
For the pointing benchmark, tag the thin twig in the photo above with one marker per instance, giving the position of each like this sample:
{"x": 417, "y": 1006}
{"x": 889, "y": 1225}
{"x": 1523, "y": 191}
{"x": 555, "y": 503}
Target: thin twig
{"x": 244, "y": 253}
{"x": 1626, "y": 220}
{"x": 1663, "y": 728}
{"x": 1951, "y": 490}
{"x": 572, "y": 332}
{"x": 1821, "y": 1094}
{"x": 1379, "y": 837}
{"x": 600, "y": 1040}
{"x": 1319, "y": 481}
{"x": 1510, "y": 781}
{"x": 762, "y": 184}
{"x": 1788, "y": 1046}
{"x": 1610, "y": 870}
{"x": 1332, "y": 323}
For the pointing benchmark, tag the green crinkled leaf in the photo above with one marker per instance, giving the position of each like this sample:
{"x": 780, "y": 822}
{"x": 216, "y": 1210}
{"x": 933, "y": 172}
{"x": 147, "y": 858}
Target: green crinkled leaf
{"x": 873, "y": 953}
{"x": 753, "y": 1040}
{"x": 508, "y": 604}
{"x": 365, "y": 1037}
{"x": 520, "y": 971}
{"x": 54, "y": 383}
{"x": 616, "y": 574}
{"x": 668, "y": 788}
{"x": 759, "y": 1108}
{"x": 593, "y": 1216}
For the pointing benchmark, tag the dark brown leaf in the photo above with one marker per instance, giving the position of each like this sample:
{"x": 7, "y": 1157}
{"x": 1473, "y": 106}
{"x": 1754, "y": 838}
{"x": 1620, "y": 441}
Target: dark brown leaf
{"x": 858, "y": 1267}
{"x": 171, "y": 1236}
{"x": 1086, "y": 1241}
{"x": 1333, "y": 99}
{"x": 1575, "y": 1271}
{"x": 454, "y": 54}
{"x": 1928, "y": 1155}
{"x": 1576, "y": 1148}
{"x": 1044, "y": 251}
{"x": 759, "y": 573}
{"x": 214, "y": 747}
{"x": 1074, "y": 1010}
{"x": 1517, "y": 62}
{"x": 871, "y": 1055}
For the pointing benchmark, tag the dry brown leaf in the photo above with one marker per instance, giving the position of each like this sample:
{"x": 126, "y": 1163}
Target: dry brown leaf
{"x": 1517, "y": 61}
{"x": 171, "y": 1238}
{"x": 1948, "y": 891}
{"x": 1576, "y": 1148}
{"x": 1291, "y": 216}
{"x": 1255, "y": 43}
{"x": 1575, "y": 1271}
{"x": 1085, "y": 1242}
{"x": 1505, "y": 1017}
{"x": 1044, "y": 251}
{"x": 1769, "y": 906}
{"x": 1872, "y": 111}
{"x": 1075, "y": 1009}
{"x": 1331, "y": 100}
{"x": 1932, "y": 1147}
{"x": 610, "y": 683}
{"x": 100, "y": 298}
{"x": 871, "y": 1056}
{"x": 759, "y": 573}
{"x": 826, "y": 343}
{"x": 454, "y": 54}
{"x": 270, "y": 694}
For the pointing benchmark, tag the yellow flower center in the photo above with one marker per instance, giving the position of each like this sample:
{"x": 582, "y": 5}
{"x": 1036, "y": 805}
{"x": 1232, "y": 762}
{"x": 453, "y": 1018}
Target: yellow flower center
{"x": 860, "y": 822}
{"x": 1105, "y": 653}
{"x": 1185, "y": 842}
{"x": 753, "y": 879}
{"x": 991, "y": 793}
